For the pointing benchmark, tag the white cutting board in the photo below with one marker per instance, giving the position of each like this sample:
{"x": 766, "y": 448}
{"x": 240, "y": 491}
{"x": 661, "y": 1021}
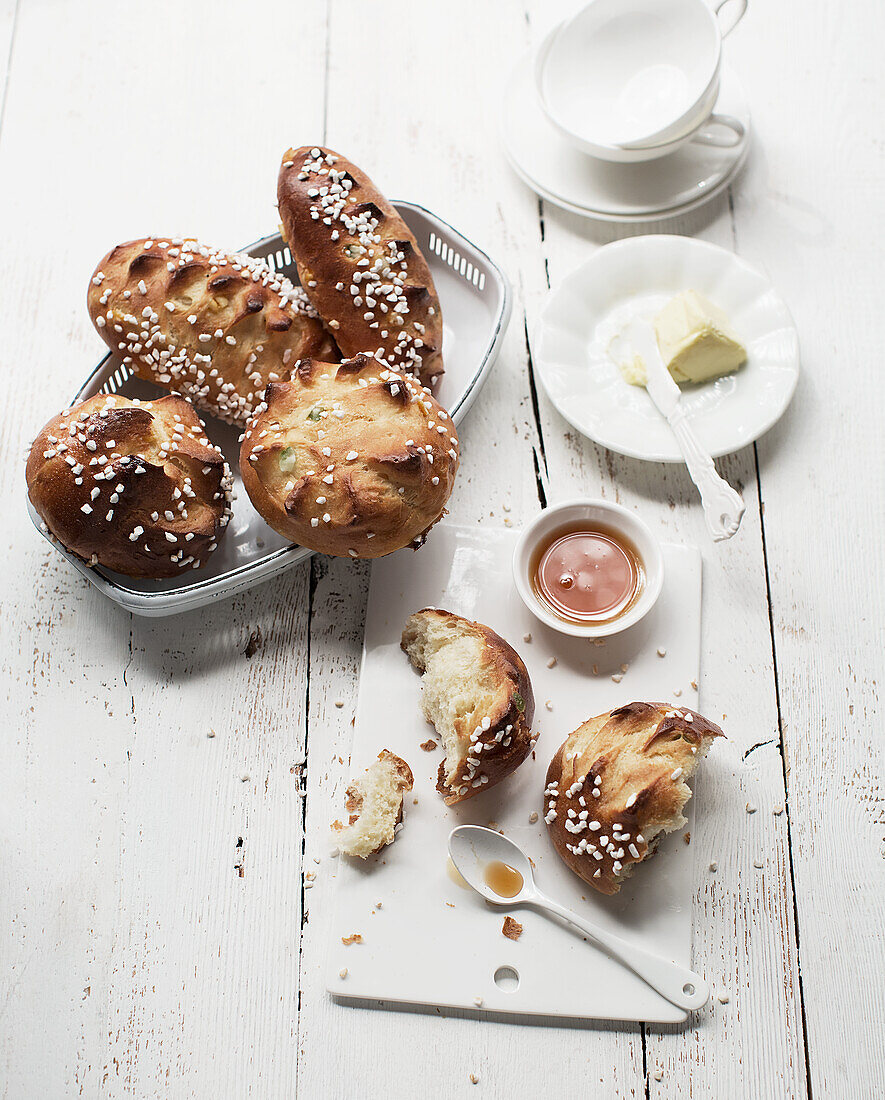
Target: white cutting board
{"x": 434, "y": 942}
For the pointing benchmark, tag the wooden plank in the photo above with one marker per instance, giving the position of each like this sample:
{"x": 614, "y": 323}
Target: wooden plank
{"x": 435, "y": 142}
{"x": 142, "y": 960}
{"x": 812, "y": 211}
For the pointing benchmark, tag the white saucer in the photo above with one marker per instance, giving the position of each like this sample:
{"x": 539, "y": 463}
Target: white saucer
{"x": 575, "y": 347}
{"x": 664, "y": 188}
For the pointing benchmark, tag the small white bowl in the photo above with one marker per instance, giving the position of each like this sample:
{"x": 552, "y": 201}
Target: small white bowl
{"x": 592, "y": 512}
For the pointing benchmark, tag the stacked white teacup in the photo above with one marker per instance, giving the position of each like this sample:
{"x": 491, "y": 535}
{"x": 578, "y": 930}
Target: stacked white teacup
{"x": 634, "y": 80}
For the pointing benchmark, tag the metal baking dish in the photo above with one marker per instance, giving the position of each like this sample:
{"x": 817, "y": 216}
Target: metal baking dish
{"x": 475, "y": 298}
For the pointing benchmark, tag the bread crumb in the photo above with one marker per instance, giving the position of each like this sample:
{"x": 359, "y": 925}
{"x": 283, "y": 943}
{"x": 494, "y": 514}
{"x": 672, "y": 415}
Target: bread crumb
{"x": 548, "y": 705}
{"x": 662, "y": 652}
{"x": 511, "y": 928}
{"x": 342, "y": 973}
{"x": 751, "y": 809}
{"x": 211, "y": 733}
{"x": 714, "y": 866}
{"x": 450, "y": 905}
{"x": 687, "y": 838}
{"x": 599, "y": 641}
{"x": 596, "y": 670}
{"x": 414, "y": 801}
{"x": 379, "y": 905}
{"x": 526, "y": 637}
{"x": 533, "y": 817}
{"x": 757, "y": 863}
{"x": 777, "y": 811}
{"x": 624, "y": 668}
{"x": 677, "y": 692}
{"x": 617, "y": 677}
{"x": 478, "y": 1001}
{"x": 474, "y": 1080}
{"x": 493, "y": 825}
{"x": 551, "y": 663}
{"x": 694, "y": 685}
{"x": 244, "y": 779}
{"x": 339, "y": 702}
{"x": 658, "y": 1075}
{"x": 722, "y": 998}
{"x": 354, "y": 937}
{"x": 429, "y": 745}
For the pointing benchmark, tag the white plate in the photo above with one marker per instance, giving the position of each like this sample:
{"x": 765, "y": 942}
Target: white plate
{"x": 432, "y": 941}
{"x": 475, "y": 298}
{"x": 576, "y": 335}
{"x": 581, "y": 184}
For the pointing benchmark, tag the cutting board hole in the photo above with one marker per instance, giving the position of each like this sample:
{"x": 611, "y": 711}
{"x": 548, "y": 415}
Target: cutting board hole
{"x": 507, "y": 978}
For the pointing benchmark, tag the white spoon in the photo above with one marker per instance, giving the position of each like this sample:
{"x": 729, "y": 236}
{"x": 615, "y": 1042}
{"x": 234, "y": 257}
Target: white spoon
{"x": 473, "y": 848}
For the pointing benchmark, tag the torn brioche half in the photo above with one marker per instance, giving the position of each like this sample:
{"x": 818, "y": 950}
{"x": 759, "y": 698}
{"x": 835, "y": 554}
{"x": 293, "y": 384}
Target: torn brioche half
{"x": 618, "y": 783}
{"x": 375, "y": 806}
{"x": 477, "y": 694}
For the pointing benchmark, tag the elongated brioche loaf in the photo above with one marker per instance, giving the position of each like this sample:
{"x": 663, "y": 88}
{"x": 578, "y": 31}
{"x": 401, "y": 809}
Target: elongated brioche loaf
{"x": 350, "y": 459}
{"x": 618, "y": 782}
{"x": 359, "y": 262}
{"x": 477, "y": 694}
{"x": 215, "y": 326}
{"x": 134, "y": 486}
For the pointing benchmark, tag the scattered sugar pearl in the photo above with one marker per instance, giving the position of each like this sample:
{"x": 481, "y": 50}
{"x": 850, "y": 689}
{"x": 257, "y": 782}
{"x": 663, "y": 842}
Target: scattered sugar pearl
{"x": 244, "y": 779}
{"x": 339, "y": 703}
{"x": 533, "y": 817}
{"x": 662, "y": 652}
{"x": 677, "y": 692}
{"x": 343, "y": 972}
{"x": 551, "y": 663}
{"x": 617, "y": 677}
{"x": 478, "y": 1001}
{"x": 548, "y": 705}
{"x": 526, "y": 637}
{"x": 722, "y": 998}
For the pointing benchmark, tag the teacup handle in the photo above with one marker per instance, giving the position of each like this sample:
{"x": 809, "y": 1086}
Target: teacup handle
{"x": 722, "y": 131}
{"x": 740, "y": 11}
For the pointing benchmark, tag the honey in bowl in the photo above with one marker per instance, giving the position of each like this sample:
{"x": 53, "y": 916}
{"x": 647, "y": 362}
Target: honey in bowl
{"x": 587, "y": 573}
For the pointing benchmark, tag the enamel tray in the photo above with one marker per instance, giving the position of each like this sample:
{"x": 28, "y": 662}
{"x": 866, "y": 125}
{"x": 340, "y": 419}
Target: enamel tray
{"x": 433, "y": 942}
{"x": 475, "y": 298}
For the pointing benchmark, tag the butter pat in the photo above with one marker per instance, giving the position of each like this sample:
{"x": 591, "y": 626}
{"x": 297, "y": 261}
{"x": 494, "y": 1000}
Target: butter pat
{"x": 696, "y": 340}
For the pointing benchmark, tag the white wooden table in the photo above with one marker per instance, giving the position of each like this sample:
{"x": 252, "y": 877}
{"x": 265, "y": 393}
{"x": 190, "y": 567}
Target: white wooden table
{"x": 155, "y": 936}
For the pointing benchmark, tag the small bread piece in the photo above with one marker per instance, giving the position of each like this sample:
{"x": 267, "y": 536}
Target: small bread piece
{"x": 131, "y": 485}
{"x": 477, "y": 693}
{"x": 511, "y": 928}
{"x": 618, "y": 782}
{"x": 360, "y": 263}
{"x": 375, "y": 805}
{"x": 350, "y": 459}
{"x": 213, "y": 325}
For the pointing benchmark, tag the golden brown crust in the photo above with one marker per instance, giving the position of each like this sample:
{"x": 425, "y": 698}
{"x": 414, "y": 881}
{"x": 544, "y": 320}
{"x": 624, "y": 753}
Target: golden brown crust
{"x": 505, "y": 733}
{"x": 511, "y": 928}
{"x": 350, "y": 459}
{"x": 617, "y": 782}
{"x": 359, "y": 262}
{"x": 134, "y": 486}
{"x": 212, "y": 325}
